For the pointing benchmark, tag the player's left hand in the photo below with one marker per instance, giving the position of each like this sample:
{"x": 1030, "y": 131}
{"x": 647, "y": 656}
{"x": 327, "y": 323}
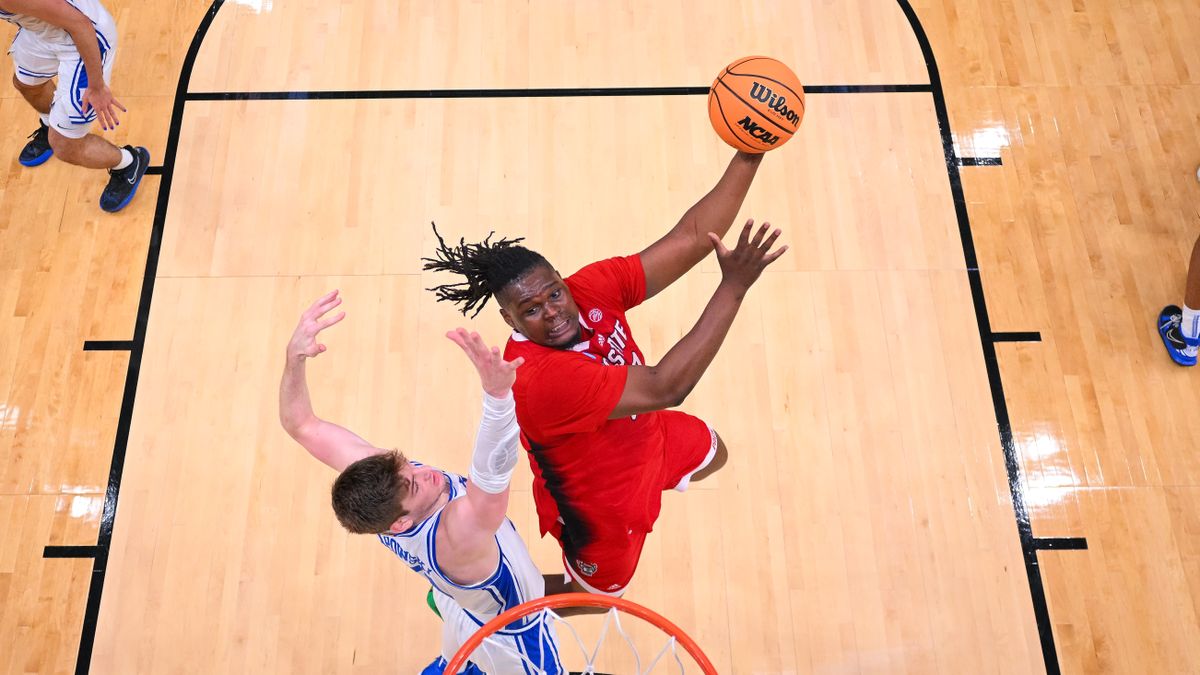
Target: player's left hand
{"x": 496, "y": 374}
{"x": 304, "y": 339}
{"x": 106, "y": 106}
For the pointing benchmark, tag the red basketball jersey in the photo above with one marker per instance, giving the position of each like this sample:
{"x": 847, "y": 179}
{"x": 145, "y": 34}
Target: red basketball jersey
{"x": 590, "y": 473}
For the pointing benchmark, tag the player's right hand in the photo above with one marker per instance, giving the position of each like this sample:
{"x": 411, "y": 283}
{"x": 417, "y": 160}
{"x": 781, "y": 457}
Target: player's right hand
{"x": 304, "y": 339}
{"x": 495, "y": 374}
{"x": 743, "y": 265}
{"x": 100, "y": 98}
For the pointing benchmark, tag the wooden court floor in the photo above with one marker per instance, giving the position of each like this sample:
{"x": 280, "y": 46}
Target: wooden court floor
{"x": 956, "y": 443}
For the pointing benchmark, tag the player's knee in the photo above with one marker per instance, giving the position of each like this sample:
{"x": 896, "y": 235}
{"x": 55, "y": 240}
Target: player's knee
{"x": 66, "y": 149}
{"x": 720, "y": 456}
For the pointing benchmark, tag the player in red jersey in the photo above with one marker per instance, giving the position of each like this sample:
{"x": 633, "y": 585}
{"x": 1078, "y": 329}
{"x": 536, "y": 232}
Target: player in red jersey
{"x": 593, "y": 413}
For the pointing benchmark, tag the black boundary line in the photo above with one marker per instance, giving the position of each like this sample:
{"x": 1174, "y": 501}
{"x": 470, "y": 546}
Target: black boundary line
{"x": 979, "y": 161}
{"x": 107, "y": 345}
{"x": 70, "y": 551}
{"x": 1037, "y": 591}
{"x": 568, "y": 92}
{"x": 1060, "y": 543}
{"x": 87, "y": 640}
{"x": 154, "y": 171}
{"x": 1031, "y": 336}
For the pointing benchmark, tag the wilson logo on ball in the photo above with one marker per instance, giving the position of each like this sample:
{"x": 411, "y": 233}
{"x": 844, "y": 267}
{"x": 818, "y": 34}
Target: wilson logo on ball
{"x": 778, "y": 103}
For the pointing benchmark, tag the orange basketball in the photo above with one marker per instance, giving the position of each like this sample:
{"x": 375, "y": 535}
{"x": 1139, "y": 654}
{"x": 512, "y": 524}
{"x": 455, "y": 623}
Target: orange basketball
{"x": 756, "y": 104}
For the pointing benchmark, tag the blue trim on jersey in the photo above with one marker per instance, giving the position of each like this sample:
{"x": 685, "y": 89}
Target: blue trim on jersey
{"x": 79, "y": 82}
{"x": 532, "y": 637}
{"x": 26, "y": 71}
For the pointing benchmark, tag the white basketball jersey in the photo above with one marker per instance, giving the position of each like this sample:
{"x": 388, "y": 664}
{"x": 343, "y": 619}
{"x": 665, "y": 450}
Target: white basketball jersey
{"x": 516, "y": 579}
{"x": 50, "y": 33}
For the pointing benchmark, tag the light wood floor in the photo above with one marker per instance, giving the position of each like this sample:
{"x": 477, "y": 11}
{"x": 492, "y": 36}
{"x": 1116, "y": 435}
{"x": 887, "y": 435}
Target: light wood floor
{"x": 864, "y": 522}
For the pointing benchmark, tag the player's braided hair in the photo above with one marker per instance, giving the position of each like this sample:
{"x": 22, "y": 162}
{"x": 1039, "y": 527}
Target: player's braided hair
{"x": 488, "y": 266}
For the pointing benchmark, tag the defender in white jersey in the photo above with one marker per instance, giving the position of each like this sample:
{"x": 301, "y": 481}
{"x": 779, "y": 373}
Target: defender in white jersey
{"x": 447, "y": 528}
{"x": 75, "y": 41}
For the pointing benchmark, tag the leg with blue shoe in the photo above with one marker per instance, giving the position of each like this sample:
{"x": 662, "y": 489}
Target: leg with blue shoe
{"x": 41, "y": 97}
{"x": 75, "y": 45}
{"x": 1179, "y": 327}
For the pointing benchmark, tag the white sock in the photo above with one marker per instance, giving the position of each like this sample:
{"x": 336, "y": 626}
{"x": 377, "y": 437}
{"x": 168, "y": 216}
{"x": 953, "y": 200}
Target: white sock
{"x": 1189, "y": 326}
{"x": 126, "y": 160}
{"x": 45, "y": 118}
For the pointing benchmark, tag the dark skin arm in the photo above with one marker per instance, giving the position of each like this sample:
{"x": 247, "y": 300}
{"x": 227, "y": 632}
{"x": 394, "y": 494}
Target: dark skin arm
{"x": 687, "y": 243}
{"x": 669, "y": 382}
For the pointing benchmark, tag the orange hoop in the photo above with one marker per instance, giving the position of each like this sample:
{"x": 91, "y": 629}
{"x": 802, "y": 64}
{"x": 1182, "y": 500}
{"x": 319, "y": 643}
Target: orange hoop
{"x": 578, "y": 600}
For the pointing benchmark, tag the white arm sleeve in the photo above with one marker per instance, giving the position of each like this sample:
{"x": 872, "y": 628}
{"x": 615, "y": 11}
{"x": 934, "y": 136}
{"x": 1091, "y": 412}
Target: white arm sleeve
{"x": 496, "y": 444}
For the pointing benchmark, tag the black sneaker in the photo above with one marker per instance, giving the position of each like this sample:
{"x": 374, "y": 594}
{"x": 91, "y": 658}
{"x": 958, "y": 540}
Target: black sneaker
{"x": 38, "y": 149}
{"x": 123, "y": 184}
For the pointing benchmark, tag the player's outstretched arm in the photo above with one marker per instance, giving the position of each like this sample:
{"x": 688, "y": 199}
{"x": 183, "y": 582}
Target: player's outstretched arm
{"x": 687, "y": 243}
{"x": 334, "y": 445}
{"x": 496, "y": 442}
{"x": 669, "y": 382}
{"x": 466, "y": 544}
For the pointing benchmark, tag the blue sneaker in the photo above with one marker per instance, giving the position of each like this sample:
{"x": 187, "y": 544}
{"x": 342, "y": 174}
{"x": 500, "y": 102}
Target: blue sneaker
{"x": 38, "y": 149}
{"x": 439, "y": 665}
{"x": 123, "y": 184}
{"x": 1182, "y": 350}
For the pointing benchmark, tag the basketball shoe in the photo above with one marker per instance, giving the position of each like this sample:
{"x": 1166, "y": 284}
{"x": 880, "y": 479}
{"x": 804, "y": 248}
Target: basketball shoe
{"x": 1182, "y": 350}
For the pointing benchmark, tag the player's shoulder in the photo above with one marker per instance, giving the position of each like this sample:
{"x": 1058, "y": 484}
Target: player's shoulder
{"x": 608, "y": 269}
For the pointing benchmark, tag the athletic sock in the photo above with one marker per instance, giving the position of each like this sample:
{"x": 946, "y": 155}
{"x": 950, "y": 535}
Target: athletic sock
{"x": 1189, "y": 327}
{"x": 45, "y": 119}
{"x": 126, "y": 160}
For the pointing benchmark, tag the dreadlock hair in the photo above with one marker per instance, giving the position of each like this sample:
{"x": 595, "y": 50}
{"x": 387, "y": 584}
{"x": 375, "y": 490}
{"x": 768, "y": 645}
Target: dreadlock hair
{"x": 488, "y": 266}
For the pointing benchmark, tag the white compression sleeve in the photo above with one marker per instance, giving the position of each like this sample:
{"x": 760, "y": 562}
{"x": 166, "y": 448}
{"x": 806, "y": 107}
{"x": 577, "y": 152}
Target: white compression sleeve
{"x": 495, "y": 453}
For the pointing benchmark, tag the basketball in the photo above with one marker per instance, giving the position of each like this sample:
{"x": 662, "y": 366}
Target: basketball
{"x": 756, "y": 104}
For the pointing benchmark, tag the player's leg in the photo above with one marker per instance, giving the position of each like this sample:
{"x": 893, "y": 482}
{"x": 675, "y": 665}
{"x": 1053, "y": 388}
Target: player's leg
{"x": 39, "y": 95}
{"x": 605, "y": 566}
{"x": 89, "y": 150}
{"x": 720, "y": 456}
{"x": 70, "y": 125}
{"x": 563, "y": 583}
{"x": 692, "y": 452}
{"x": 34, "y": 67}
{"x": 1180, "y": 327}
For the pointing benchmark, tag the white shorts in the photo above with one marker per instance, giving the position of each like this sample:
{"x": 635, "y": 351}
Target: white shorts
{"x": 532, "y": 649}
{"x": 36, "y": 61}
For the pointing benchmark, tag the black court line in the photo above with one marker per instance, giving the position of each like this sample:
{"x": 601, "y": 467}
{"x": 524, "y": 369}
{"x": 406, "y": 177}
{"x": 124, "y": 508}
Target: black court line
{"x": 1037, "y": 591}
{"x": 70, "y": 551}
{"x": 154, "y": 171}
{"x": 1031, "y": 336}
{"x": 1060, "y": 543}
{"x": 566, "y": 92}
{"x": 979, "y": 161}
{"x": 108, "y": 345}
{"x": 83, "y": 662}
